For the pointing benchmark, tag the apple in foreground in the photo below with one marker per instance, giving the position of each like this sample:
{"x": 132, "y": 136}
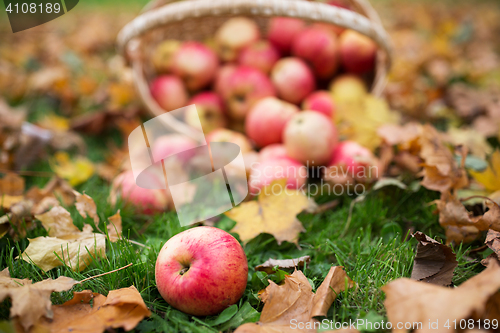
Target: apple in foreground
{"x": 201, "y": 271}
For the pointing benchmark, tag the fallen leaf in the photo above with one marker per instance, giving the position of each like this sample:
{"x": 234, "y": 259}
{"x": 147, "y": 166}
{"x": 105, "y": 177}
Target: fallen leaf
{"x": 296, "y": 300}
{"x": 441, "y": 172}
{"x": 470, "y": 138}
{"x": 11, "y": 184}
{"x": 32, "y": 301}
{"x": 86, "y": 206}
{"x": 74, "y": 171}
{"x": 123, "y": 308}
{"x": 273, "y": 213}
{"x": 7, "y": 282}
{"x": 490, "y": 177}
{"x": 434, "y": 262}
{"x": 493, "y": 242}
{"x": 76, "y": 251}
{"x": 414, "y": 301}
{"x": 403, "y": 135}
{"x": 268, "y": 265}
{"x": 58, "y": 222}
{"x": 53, "y": 122}
{"x": 115, "y": 227}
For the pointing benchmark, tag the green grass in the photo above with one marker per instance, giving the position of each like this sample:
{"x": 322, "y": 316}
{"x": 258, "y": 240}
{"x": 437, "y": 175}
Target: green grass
{"x": 374, "y": 250}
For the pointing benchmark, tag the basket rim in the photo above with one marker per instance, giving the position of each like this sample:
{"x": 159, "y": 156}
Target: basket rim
{"x": 312, "y": 11}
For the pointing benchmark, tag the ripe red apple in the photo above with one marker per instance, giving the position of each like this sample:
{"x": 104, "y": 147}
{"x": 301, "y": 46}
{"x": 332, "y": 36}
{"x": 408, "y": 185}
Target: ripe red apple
{"x": 225, "y": 135}
{"x": 195, "y": 64}
{"x": 319, "y": 47}
{"x": 171, "y": 144}
{"x": 169, "y": 92}
{"x": 351, "y": 161}
{"x": 146, "y": 201}
{"x": 273, "y": 151}
{"x": 266, "y": 171}
{"x": 282, "y": 31}
{"x": 201, "y": 271}
{"x": 267, "y": 119}
{"x": 245, "y": 86}
{"x": 357, "y": 52}
{"x": 348, "y": 87}
{"x": 293, "y": 79}
{"x": 163, "y": 55}
{"x": 209, "y": 110}
{"x": 234, "y": 35}
{"x": 320, "y": 101}
{"x": 260, "y": 54}
{"x": 309, "y": 137}
{"x": 221, "y": 83}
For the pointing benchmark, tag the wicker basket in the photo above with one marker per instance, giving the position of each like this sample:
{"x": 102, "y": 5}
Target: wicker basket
{"x": 199, "y": 19}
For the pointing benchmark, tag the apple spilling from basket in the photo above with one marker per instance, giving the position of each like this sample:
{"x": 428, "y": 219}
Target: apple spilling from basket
{"x": 271, "y": 94}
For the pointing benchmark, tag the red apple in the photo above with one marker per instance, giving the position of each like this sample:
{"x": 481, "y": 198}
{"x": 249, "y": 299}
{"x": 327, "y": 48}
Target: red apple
{"x": 320, "y": 101}
{"x": 282, "y": 31}
{"x": 351, "y": 161}
{"x": 357, "y": 52}
{"x": 245, "y": 86}
{"x": 171, "y": 144}
{"x": 163, "y": 55}
{"x": 261, "y": 55}
{"x": 348, "y": 88}
{"x": 225, "y": 135}
{"x": 195, "y": 64}
{"x": 267, "y": 119}
{"x": 309, "y": 137}
{"x": 234, "y": 35}
{"x": 209, "y": 110}
{"x": 145, "y": 200}
{"x": 222, "y": 77}
{"x": 293, "y": 79}
{"x": 273, "y": 151}
{"x": 201, "y": 271}
{"x": 319, "y": 47}
{"x": 169, "y": 92}
{"x": 266, "y": 171}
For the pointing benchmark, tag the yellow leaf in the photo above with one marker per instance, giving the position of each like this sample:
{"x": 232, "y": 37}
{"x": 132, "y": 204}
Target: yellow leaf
{"x": 57, "y": 222}
{"x": 74, "y": 171}
{"x": 275, "y": 212}
{"x": 490, "y": 177}
{"x": 54, "y": 122}
{"x": 359, "y": 120}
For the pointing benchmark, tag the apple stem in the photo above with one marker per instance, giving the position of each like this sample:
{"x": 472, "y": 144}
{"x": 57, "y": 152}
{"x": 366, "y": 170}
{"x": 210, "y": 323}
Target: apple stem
{"x": 184, "y": 270}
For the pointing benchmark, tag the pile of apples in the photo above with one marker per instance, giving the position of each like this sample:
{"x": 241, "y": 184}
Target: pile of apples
{"x": 272, "y": 94}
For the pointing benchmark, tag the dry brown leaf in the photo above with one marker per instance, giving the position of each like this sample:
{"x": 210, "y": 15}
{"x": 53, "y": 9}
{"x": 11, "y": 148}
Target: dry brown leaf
{"x": 434, "y": 262}
{"x": 402, "y": 135}
{"x": 274, "y": 212}
{"x": 493, "y": 242}
{"x": 268, "y": 265}
{"x": 453, "y": 213}
{"x": 7, "y": 282}
{"x": 115, "y": 227}
{"x": 123, "y": 308}
{"x": 462, "y": 234}
{"x": 414, "y": 301}
{"x": 295, "y": 301}
{"x": 86, "y": 206}
{"x": 32, "y": 301}
{"x": 11, "y": 185}
{"x": 58, "y": 222}
{"x": 441, "y": 171}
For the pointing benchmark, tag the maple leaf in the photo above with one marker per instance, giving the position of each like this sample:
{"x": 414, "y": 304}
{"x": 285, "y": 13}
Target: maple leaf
{"x": 441, "y": 172}
{"x": 270, "y": 264}
{"x": 413, "y": 301}
{"x": 123, "y": 308}
{"x": 86, "y": 206}
{"x": 66, "y": 244}
{"x": 74, "y": 171}
{"x": 295, "y": 300}
{"x": 31, "y": 301}
{"x": 434, "y": 262}
{"x": 273, "y": 213}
